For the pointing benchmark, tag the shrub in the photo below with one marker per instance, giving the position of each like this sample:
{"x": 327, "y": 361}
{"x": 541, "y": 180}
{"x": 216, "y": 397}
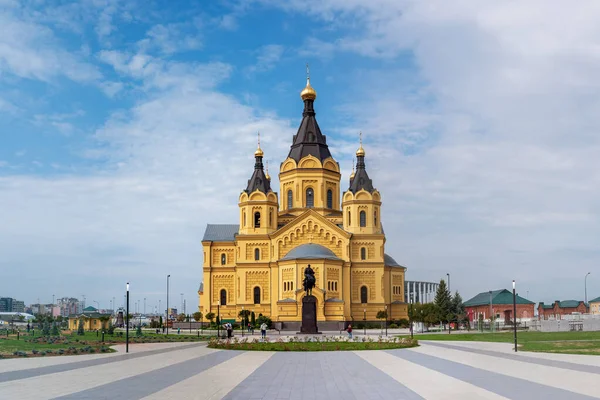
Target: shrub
{"x": 138, "y": 331}
{"x": 55, "y": 331}
{"x": 80, "y": 330}
{"x": 393, "y": 326}
{"x": 111, "y": 328}
{"x": 34, "y": 351}
{"x": 403, "y": 323}
{"x": 262, "y": 319}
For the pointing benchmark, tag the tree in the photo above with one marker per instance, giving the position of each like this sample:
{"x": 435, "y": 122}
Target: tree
{"x": 46, "y": 328}
{"x": 210, "y": 316}
{"x": 458, "y": 308}
{"x": 138, "y": 331}
{"x": 197, "y": 316}
{"x": 443, "y": 302}
{"x": 111, "y": 328}
{"x": 181, "y": 317}
{"x": 243, "y": 315}
{"x": 80, "y": 330}
{"x": 252, "y": 319}
{"x": 381, "y": 314}
{"x": 160, "y": 322}
{"x": 218, "y": 320}
{"x": 55, "y": 331}
{"x": 103, "y": 320}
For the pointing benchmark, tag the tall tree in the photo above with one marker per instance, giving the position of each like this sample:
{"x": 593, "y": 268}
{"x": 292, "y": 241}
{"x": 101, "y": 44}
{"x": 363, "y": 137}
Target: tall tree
{"x": 197, "y": 316}
{"x": 458, "y": 308}
{"x": 443, "y": 302}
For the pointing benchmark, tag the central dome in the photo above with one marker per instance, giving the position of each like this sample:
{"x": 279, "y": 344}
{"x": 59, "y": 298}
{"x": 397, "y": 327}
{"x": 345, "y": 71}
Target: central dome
{"x": 310, "y": 251}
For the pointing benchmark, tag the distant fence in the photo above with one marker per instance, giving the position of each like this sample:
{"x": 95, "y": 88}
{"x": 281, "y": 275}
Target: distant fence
{"x": 568, "y": 323}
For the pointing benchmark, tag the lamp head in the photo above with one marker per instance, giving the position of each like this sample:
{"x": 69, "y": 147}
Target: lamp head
{"x": 513, "y": 283}
{"x": 128, "y": 286}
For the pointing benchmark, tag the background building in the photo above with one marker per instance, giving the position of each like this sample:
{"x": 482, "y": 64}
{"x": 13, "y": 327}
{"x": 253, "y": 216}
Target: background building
{"x": 69, "y": 306}
{"x": 499, "y": 304}
{"x": 259, "y": 263}
{"x": 421, "y": 292}
{"x": 8, "y": 304}
{"x": 595, "y": 306}
{"x": 560, "y": 308}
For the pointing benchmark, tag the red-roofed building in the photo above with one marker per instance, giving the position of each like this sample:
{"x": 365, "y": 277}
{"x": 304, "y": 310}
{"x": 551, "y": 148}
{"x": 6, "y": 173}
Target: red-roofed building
{"x": 498, "y": 303}
{"x": 559, "y": 308}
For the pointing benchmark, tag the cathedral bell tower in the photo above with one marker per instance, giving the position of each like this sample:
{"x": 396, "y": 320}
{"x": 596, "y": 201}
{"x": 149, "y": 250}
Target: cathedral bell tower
{"x": 361, "y": 203}
{"x": 309, "y": 177}
{"x": 258, "y": 203}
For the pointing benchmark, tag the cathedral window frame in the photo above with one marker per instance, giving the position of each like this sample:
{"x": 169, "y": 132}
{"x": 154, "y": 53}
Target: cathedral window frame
{"x": 310, "y": 197}
{"x": 256, "y": 254}
{"x": 223, "y": 258}
{"x": 349, "y": 218}
{"x": 362, "y": 218}
{"x": 290, "y": 199}
{"x": 223, "y": 297}
{"x": 375, "y": 218}
{"x": 363, "y": 253}
{"x": 329, "y": 198}
{"x": 255, "y": 292}
{"x": 364, "y": 294}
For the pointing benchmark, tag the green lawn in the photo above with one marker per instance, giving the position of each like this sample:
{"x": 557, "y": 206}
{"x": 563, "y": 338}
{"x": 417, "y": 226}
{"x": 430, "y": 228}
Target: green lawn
{"x": 88, "y": 342}
{"x": 549, "y": 342}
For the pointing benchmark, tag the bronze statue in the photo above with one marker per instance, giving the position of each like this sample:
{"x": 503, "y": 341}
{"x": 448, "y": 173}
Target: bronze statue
{"x": 309, "y": 280}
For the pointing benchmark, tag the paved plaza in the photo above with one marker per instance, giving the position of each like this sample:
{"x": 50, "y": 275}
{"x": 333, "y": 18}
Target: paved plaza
{"x": 435, "y": 370}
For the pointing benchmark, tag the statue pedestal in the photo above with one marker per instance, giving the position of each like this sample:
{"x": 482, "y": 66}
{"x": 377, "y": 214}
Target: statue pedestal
{"x": 309, "y": 315}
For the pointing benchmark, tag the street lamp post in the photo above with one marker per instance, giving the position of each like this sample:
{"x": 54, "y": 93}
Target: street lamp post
{"x": 411, "y": 316}
{"x": 365, "y": 321}
{"x": 219, "y": 319}
{"x": 491, "y": 311}
{"x": 167, "y": 311}
{"x": 448, "y": 281}
{"x": 586, "y": 275}
{"x": 386, "y": 320}
{"x": 144, "y": 306}
{"x": 243, "y": 319}
{"x": 515, "y": 312}
{"x": 127, "y": 322}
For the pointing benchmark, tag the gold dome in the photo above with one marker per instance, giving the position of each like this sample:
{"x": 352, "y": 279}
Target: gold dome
{"x": 267, "y": 172}
{"x": 308, "y": 93}
{"x": 360, "y": 152}
{"x": 258, "y": 153}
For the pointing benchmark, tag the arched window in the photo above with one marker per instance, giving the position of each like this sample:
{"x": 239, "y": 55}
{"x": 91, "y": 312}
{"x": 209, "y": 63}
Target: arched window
{"x": 244, "y": 219}
{"x": 257, "y": 219}
{"x": 310, "y": 198}
{"x": 223, "y": 259}
{"x": 257, "y": 254}
{"x": 363, "y": 219}
{"x": 363, "y": 294}
{"x": 256, "y": 295}
{"x": 375, "y": 219}
{"x": 271, "y": 217}
{"x": 349, "y": 218}
{"x": 223, "y": 297}
{"x": 329, "y": 199}
{"x": 363, "y": 253}
{"x": 292, "y": 285}
{"x": 290, "y": 202}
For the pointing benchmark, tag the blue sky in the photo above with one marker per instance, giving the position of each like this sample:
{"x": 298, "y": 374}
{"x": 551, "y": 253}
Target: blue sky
{"x": 126, "y": 127}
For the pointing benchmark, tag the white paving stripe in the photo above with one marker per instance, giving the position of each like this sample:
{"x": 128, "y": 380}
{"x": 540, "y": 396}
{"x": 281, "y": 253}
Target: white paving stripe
{"x": 574, "y": 381}
{"x": 425, "y": 382}
{"x": 216, "y": 382}
{"x": 63, "y": 383}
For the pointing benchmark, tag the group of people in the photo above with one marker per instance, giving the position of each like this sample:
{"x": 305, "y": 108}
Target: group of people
{"x": 229, "y": 329}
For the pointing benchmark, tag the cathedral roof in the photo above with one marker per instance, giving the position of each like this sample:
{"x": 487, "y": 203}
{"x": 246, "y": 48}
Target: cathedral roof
{"x": 258, "y": 180}
{"x": 220, "y": 232}
{"x": 310, "y": 251}
{"x": 361, "y": 179}
{"x": 390, "y": 262}
{"x": 309, "y": 139}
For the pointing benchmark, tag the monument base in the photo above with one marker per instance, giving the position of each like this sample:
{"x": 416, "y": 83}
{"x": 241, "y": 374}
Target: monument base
{"x": 309, "y": 315}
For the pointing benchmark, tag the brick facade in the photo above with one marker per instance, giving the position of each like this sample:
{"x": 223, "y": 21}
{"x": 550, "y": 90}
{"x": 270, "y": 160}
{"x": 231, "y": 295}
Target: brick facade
{"x": 502, "y": 311}
{"x": 560, "y": 308}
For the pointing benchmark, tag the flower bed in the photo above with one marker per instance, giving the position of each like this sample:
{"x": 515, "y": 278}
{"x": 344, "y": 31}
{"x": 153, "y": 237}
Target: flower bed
{"x": 310, "y": 343}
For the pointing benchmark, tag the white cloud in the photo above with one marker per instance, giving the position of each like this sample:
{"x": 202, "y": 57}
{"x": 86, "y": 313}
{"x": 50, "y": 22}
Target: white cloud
{"x": 267, "y": 58}
{"x": 491, "y": 170}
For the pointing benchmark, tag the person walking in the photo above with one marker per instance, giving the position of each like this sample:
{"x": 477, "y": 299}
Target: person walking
{"x": 263, "y": 330}
{"x": 229, "y": 330}
{"x": 349, "y": 330}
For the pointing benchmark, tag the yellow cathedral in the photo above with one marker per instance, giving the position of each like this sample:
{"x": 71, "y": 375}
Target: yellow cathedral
{"x": 258, "y": 264}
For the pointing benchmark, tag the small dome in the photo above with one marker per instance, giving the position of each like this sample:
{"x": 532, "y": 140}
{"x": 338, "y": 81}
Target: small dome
{"x": 360, "y": 152}
{"x": 258, "y": 153}
{"x": 308, "y": 93}
{"x": 390, "y": 262}
{"x": 310, "y": 251}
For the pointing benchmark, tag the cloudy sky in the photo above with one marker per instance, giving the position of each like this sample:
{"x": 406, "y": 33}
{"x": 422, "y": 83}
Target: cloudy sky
{"x": 126, "y": 127}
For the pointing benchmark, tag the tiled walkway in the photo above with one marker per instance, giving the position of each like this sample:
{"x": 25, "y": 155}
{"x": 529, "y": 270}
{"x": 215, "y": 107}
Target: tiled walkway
{"x": 435, "y": 370}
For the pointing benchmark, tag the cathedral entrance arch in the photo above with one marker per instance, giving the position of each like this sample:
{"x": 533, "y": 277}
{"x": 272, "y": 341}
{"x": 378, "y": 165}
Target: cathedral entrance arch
{"x": 319, "y": 294}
